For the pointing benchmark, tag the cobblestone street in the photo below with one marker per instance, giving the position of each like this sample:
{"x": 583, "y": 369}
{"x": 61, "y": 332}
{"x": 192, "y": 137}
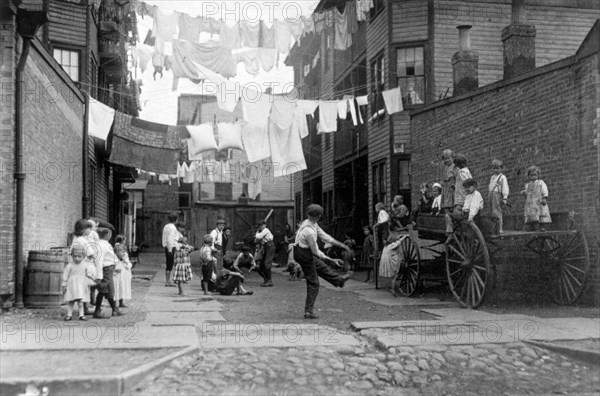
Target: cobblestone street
{"x": 486, "y": 369}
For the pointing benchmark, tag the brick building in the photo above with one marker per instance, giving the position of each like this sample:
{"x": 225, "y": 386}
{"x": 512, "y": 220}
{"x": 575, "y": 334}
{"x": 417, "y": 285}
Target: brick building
{"x": 52, "y": 172}
{"x": 406, "y": 43}
{"x": 547, "y": 116}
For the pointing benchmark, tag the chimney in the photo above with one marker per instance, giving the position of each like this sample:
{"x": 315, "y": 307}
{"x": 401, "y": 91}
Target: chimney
{"x": 465, "y": 64}
{"x": 519, "y": 42}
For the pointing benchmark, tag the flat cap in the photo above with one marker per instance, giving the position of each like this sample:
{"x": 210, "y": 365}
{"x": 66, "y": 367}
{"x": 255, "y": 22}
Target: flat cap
{"x": 314, "y": 210}
{"x": 220, "y": 221}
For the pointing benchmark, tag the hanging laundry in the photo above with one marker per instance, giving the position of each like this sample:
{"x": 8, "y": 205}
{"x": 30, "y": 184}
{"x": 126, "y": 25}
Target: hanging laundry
{"x": 181, "y": 169}
{"x": 359, "y": 111}
{"x": 256, "y": 107}
{"x": 189, "y": 173}
{"x": 168, "y": 60}
{"x": 319, "y": 21}
{"x": 351, "y": 16}
{"x": 299, "y": 124}
{"x": 308, "y": 106}
{"x": 229, "y": 36}
{"x": 146, "y": 9}
{"x": 328, "y": 111}
{"x": 164, "y": 25}
{"x": 362, "y": 100}
{"x": 256, "y": 141}
{"x": 267, "y": 36}
{"x": 189, "y": 27}
{"x": 203, "y": 137}
{"x": 210, "y": 55}
{"x": 342, "y": 107}
{"x": 282, "y": 111}
{"x": 282, "y": 36}
{"x": 100, "y": 119}
{"x": 150, "y": 39}
{"x": 163, "y": 178}
{"x": 146, "y": 133}
{"x": 251, "y": 61}
{"x": 250, "y": 34}
{"x": 360, "y": 15}
{"x": 296, "y": 28}
{"x": 254, "y": 187}
{"x": 351, "y": 108}
{"x": 191, "y": 149}
{"x": 268, "y": 57}
{"x": 286, "y": 150}
{"x": 152, "y": 159}
{"x": 308, "y": 25}
{"x": 343, "y": 38}
{"x": 230, "y": 136}
{"x": 144, "y": 56}
{"x": 214, "y": 26}
{"x": 393, "y": 100}
{"x": 228, "y": 95}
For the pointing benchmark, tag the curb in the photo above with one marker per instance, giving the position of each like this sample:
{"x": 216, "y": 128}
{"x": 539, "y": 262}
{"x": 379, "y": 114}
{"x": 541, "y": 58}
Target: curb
{"x": 95, "y": 384}
{"x": 132, "y": 377}
{"x": 579, "y": 354}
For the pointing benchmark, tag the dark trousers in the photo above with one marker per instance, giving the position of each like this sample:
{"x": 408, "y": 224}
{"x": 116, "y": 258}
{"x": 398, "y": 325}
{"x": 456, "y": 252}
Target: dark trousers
{"x": 170, "y": 258}
{"x": 108, "y": 276}
{"x": 264, "y": 268}
{"x": 314, "y": 267}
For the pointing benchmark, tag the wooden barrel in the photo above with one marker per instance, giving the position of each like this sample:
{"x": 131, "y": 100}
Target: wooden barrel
{"x": 43, "y": 277}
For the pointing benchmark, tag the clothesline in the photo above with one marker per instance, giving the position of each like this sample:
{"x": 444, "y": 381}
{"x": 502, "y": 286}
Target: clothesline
{"x": 267, "y": 42}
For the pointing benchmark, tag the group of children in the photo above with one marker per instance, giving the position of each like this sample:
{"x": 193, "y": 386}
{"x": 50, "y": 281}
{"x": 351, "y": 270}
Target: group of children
{"x": 96, "y": 270}
{"x": 458, "y": 199}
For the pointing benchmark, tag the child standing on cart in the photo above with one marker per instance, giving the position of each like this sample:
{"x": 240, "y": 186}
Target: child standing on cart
{"x": 498, "y": 192}
{"x": 537, "y": 213}
{"x": 473, "y": 204}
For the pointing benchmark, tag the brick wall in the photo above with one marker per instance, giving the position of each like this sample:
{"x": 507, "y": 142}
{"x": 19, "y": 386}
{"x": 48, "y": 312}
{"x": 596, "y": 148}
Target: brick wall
{"x": 546, "y": 117}
{"x": 8, "y": 59}
{"x": 53, "y": 131}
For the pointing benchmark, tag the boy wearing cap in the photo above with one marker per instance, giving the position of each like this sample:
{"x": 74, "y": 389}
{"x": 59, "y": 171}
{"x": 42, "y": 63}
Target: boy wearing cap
{"x": 473, "y": 204}
{"x": 217, "y": 236}
{"x": 264, "y": 236}
{"x": 308, "y": 255}
{"x": 436, "y": 192}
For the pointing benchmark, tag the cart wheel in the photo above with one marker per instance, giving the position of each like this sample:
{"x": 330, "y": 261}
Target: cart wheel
{"x": 568, "y": 259}
{"x": 408, "y": 270}
{"x": 468, "y": 265}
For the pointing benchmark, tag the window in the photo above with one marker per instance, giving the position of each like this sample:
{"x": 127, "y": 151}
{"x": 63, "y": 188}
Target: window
{"x": 404, "y": 174}
{"x": 410, "y": 70}
{"x": 69, "y": 60}
{"x": 378, "y": 84}
{"x": 379, "y": 182}
{"x": 377, "y": 7}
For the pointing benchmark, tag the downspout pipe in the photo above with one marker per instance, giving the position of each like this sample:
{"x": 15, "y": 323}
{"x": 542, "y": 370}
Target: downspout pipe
{"x": 28, "y": 23}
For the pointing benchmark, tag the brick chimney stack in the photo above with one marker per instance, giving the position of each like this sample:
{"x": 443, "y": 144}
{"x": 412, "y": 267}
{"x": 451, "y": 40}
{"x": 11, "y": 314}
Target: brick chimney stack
{"x": 519, "y": 42}
{"x": 465, "y": 64}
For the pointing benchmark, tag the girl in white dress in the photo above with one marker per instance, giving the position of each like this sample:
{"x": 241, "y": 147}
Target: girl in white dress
{"x": 76, "y": 282}
{"x": 122, "y": 275}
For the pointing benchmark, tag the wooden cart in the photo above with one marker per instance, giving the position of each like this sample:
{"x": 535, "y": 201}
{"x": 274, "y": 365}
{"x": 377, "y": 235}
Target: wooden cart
{"x": 469, "y": 256}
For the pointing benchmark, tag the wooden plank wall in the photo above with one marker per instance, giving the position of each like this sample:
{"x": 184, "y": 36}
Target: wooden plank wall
{"x": 379, "y": 131}
{"x": 327, "y": 93}
{"x": 68, "y": 23}
{"x": 409, "y": 21}
{"x": 488, "y": 18}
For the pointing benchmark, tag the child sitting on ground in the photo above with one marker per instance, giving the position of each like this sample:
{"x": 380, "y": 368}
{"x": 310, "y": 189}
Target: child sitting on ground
{"x": 229, "y": 280}
{"x": 473, "y": 204}
{"x": 244, "y": 259}
{"x": 182, "y": 273}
